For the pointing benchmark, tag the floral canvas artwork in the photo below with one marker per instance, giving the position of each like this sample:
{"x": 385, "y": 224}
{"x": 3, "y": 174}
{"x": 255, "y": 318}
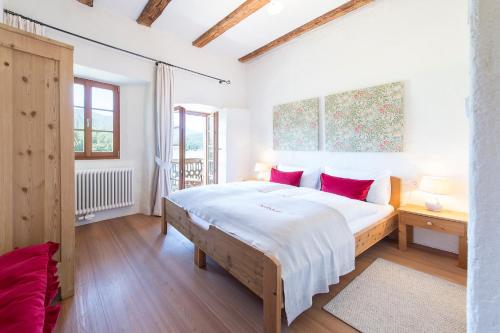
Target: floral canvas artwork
{"x": 296, "y": 125}
{"x": 366, "y": 120}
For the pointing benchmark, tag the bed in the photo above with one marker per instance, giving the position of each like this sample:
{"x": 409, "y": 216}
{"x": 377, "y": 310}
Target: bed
{"x": 257, "y": 269}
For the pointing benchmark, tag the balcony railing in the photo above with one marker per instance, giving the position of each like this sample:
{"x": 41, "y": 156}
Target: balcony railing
{"x": 193, "y": 174}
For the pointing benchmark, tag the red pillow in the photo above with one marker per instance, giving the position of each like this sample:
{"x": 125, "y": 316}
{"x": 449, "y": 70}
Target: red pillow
{"x": 288, "y": 178}
{"x": 28, "y": 285}
{"x": 351, "y": 188}
{"x": 22, "y": 293}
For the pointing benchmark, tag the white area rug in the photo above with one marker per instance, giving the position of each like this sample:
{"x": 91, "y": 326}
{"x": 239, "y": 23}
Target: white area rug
{"x": 388, "y": 297}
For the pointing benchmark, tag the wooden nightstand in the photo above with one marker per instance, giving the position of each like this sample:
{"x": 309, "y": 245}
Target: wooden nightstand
{"x": 446, "y": 221}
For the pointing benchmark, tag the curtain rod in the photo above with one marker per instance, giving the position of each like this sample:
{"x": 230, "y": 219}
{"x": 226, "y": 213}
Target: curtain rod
{"x": 117, "y": 48}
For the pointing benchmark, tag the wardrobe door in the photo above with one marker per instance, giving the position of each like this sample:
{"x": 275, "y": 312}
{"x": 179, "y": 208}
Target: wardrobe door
{"x": 37, "y": 163}
{"x": 36, "y": 150}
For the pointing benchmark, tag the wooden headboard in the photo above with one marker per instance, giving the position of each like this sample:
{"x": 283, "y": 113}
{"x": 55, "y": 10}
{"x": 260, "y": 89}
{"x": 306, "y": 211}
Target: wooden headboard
{"x": 395, "y": 192}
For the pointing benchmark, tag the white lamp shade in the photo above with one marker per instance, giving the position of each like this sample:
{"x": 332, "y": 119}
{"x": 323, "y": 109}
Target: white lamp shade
{"x": 435, "y": 185}
{"x": 261, "y": 167}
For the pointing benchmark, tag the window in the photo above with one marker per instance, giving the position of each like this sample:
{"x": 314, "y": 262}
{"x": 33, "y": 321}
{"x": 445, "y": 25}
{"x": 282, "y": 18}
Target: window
{"x": 97, "y": 120}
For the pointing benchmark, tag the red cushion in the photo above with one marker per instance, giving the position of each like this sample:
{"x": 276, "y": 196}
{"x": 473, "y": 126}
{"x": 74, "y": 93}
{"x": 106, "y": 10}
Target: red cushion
{"x": 51, "y": 315}
{"x": 19, "y": 255}
{"x": 23, "y": 288}
{"x": 351, "y": 188}
{"x": 288, "y": 178}
{"x": 27, "y": 287}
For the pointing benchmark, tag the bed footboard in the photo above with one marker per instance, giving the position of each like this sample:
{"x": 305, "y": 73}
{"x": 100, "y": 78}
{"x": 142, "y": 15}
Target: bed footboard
{"x": 258, "y": 271}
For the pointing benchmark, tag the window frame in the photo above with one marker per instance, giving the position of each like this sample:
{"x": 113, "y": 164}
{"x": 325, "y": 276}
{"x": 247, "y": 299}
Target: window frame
{"x": 88, "y": 154}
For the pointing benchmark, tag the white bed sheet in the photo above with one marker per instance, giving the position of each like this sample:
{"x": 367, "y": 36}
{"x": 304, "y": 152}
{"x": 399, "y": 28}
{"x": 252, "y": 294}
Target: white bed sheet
{"x": 358, "y": 214}
{"x": 364, "y": 222}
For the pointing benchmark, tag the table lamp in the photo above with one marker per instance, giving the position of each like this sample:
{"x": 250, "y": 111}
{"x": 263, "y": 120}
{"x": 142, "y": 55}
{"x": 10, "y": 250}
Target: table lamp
{"x": 436, "y": 186}
{"x": 261, "y": 169}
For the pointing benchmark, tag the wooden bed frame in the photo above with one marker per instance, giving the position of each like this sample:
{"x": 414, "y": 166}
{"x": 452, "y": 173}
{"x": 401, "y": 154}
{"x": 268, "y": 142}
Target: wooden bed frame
{"x": 260, "y": 271}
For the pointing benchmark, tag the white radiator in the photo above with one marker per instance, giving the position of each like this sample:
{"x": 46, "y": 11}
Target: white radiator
{"x": 102, "y": 189}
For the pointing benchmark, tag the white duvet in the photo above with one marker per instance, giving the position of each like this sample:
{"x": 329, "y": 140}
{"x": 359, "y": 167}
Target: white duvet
{"x": 298, "y": 226}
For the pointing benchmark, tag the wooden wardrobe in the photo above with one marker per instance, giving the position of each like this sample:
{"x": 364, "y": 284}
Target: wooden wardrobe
{"x": 36, "y": 145}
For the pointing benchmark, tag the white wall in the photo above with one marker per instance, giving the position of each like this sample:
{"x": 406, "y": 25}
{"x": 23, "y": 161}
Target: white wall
{"x": 423, "y": 43}
{"x": 237, "y": 145}
{"x": 135, "y": 76}
{"x": 483, "y": 315}
{"x": 1, "y": 10}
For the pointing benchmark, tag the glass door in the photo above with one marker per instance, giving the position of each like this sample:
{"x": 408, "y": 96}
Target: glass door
{"x": 195, "y": 147}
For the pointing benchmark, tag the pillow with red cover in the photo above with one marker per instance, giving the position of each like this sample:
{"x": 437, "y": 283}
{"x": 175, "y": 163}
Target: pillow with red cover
{"x": 287, "y": 178}
{"x": 28, "y": 285}
{"x": 351, "y": 188}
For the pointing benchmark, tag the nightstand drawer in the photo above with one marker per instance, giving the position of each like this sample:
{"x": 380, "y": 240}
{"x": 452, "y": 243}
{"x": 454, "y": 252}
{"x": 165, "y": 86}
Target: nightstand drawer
{"x": 432, "y": 223}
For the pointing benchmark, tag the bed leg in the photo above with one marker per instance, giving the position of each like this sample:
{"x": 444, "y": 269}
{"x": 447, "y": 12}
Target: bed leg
{"x": 164, "y": 226}
{"x": 272, "y": 296}
{"x": 200, "y": 258}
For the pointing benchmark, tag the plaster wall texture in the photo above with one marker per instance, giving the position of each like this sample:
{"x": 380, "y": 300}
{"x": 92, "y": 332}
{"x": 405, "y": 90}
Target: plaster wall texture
{"x": 483, "y": 313}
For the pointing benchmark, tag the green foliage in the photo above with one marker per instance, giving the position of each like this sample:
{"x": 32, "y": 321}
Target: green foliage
{"x": 102, "y": 141}
{"x": 79, "y": 141}
{"x": 101, "y": 121}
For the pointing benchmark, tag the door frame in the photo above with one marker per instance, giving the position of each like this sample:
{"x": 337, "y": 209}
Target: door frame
{"x": 182, "y": 143}
{"x": 216, "y": 145}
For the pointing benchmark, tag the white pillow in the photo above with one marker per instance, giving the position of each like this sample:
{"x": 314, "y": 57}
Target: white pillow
{"x": 310, "y": 177}
{"x": 380, "y": 191}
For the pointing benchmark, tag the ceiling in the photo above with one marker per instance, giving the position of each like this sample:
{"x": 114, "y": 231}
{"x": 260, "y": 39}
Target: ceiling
{"x": 190, "y": 18}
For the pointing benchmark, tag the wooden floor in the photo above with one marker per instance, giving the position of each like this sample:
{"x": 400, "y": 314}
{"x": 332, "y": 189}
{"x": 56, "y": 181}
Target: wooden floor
{"x": 130, "y": 278}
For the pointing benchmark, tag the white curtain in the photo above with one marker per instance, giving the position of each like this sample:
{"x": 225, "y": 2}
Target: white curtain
{"x": 163, "y": 124}
{"x": 23, "y": 24}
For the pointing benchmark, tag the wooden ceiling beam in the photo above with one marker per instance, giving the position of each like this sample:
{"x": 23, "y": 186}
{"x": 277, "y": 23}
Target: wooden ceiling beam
{"x": 152, "y": 10}
{"x": 239, "y": 14}
{"x": 319, "y": 21}
{"x": 89, "y": 3}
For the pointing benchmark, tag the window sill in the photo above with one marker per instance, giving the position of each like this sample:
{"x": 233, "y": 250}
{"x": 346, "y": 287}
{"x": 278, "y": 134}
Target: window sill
{"x": 83, "y": 158}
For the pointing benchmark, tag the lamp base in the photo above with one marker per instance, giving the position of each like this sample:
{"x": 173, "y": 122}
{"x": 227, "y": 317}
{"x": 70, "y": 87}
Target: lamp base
{"x": 434, "y": 206}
